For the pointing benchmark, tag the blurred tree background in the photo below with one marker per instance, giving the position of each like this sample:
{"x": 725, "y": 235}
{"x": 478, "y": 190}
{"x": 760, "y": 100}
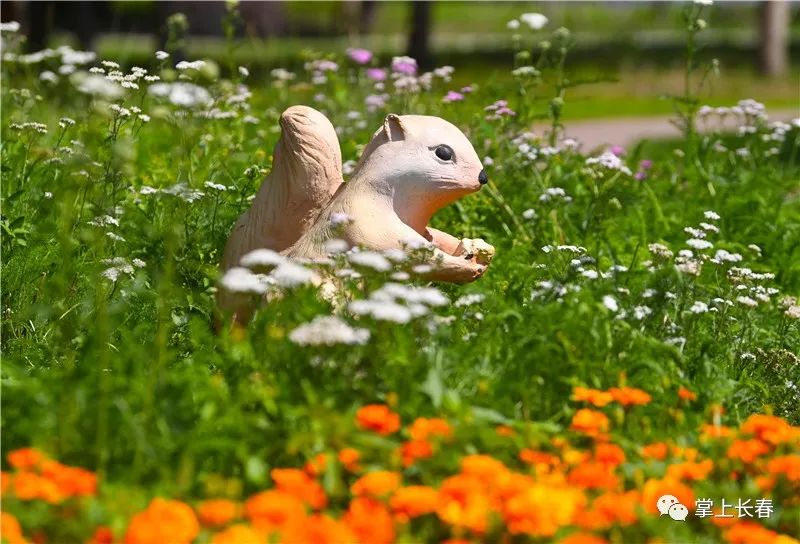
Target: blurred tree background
{"x": 631, "y": 50}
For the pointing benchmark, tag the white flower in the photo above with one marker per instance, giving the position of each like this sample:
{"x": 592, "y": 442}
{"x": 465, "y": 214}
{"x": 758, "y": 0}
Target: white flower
{"x": 711, "y": 215}
{"x": 530, "y": 213}
{"x": 610, "y": 303}
{"x": 381, "y": 310}
{"x": 469, "y": 300}
{"x": 699, "y": 307}
{"x": 244, "y": 71}
{"x": 144, "y": 118}
{"x": 725, "y": 256}
{"x": 48, "y": 195}
{"x": 336, "y": 245}
{"x": 99, "y": 86}
{"x": 413, "y": 295}
{"x": 289, "y": 274}
{"x": 10, "y": 26}
{"x": 513, "y": 24}
{"x": 338, "y": 218}
{"x": 697, "y": 243}
{"x": 327, "y": 331}
{"x": 115, "y": 237}
{"x": 190, "y": 65}
{"x": 793, "y": 311}
{"x": 747, "y": 301}
{"x": 138, "y": 263}
{"x": 261, "y": 257}
{"x": 162, "y": 55}
{"x": 370, "y": 259}
{"x": 704, "y": 2}
{"x": 640, "y": 312}
{"x": 217, "y": 186}
{"x": 400, "y": 276}
{"x": 536, "y": 21}
{"x": 48, "y": 76}
{"x": 241, "y": 280}
{"x": 182, "y": 94}
{"x": 349, "y": 167}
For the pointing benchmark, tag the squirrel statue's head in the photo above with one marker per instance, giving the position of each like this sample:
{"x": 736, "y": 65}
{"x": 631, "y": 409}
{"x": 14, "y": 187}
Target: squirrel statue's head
{"x": 423, "y": 161}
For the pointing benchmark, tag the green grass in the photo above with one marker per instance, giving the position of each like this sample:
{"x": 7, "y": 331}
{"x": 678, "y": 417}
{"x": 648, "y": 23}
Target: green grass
{"x": 128, "y": 376}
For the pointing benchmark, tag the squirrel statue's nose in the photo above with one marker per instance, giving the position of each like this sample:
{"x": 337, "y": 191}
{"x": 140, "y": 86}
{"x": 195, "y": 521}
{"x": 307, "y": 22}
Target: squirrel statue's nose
{"x": 483, "y": 178}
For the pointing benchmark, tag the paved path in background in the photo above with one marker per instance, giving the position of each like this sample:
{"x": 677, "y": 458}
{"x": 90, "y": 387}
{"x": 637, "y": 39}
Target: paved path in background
{"x": 594, "y": 133}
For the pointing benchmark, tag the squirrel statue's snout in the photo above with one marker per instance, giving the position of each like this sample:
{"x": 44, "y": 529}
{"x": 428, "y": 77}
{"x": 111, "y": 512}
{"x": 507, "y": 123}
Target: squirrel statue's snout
{"x": 483, "y": 178}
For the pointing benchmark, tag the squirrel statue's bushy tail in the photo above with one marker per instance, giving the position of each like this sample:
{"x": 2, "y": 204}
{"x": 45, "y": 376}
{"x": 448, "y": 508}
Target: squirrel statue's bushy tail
{"x": 306, "y": 172}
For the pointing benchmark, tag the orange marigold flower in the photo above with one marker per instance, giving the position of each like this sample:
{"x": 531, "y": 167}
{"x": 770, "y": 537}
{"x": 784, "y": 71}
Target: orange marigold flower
{"x": 788, "y": 465}
{"x": 770, "y": 429}
{"x": 593, "y": 475}
{"x": 708, "y": 431}
{"x": 316, "y": 466}
{"x": 629, "y": 396}
{"x": 594, "y": 397}
{"x": 534, "y": 457}
{"x": 423, "y": 428}
{"x": 10, "y": 530}
{"x": 654, "y": 489}
{"x": 685, "y": 394}
{"x": 378, "y": 418}
{"x": 370, "y": 521}
{"x": 583, "y": 538}
{"x": 748, "y": 532}
{"x": 29, "y": 486}
{"x": 656, "y": 450}
{"x": 216, "y": 512}
{"x": 71, "y": 481}
{"x": 483, "y": 466}
{"x": 541, "y": 510}
{"x": 688, "y": 454}
{"x": 415, "y": 449}
{"x": 413, "y": 501}
{"x": 376, "y": 484}
{"x": 349, "y": 457}
{"x": 239, "y": 534}
{"x": 747, "y": 451}
{"x": 273, "y": 510}
{"x": 25, "y": 458}
{"x": 590, "y": 422}
{"x": 318, "y": 529}
{"x": 463, "y": 503}
{"x": 163, "y": 521}
{"x": 5, "y": 481}
{"x": 297, "y": 483}
{"x": 690, "y": 470}
{"x": 609, "y": 454}
{"x": 102, "y": 535}
{"x": 504, "y": 430}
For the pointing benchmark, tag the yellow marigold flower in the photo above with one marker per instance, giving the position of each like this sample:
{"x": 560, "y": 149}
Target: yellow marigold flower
{"x": 239, "y": 534}
{"x": 708, "y": 431}
{"x": 463, "y": 503}
{"x": 217, "y": 512}
{"x": 163, "y": 521}
{"x": 376, "y": 484}
{"x": 378, "y": 418}
{"x": 594, "y": 397}
{"x": 542, "y": 510}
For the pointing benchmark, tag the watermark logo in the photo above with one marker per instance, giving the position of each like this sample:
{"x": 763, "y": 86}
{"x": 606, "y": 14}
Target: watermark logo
{"x": 669, "y": 505}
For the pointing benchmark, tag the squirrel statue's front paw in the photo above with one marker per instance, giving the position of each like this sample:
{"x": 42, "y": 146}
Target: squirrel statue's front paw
{"x": 475, "y": 248}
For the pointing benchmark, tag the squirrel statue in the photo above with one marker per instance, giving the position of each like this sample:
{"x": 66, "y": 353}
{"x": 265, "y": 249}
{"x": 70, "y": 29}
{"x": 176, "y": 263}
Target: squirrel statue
{"x": 413, "y": 166}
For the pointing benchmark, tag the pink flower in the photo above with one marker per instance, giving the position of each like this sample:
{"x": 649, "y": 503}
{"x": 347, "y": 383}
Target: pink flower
{"x": 360, "y": 56}
{"x": 376, "y": 74}
{"x": 646, "y": 164}
{"x": 618, "y": 150}
{"x": 452, "y": 96}
{"x": 404, "y": 65}
{"x": 640, "y": 176}
{"x": 467, "y": 89}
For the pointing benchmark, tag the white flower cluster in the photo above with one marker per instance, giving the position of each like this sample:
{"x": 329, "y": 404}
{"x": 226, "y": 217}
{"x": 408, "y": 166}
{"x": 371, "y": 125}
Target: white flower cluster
{"x": 398, "y": 303}
{"x": 328, "y": 331}
{"x": 120, "y": 265}
{"x": 554, "y": 193}
{"x": 608, "y": 161}
{"x": 186, "y": 95}
{"x": 285, "y": 273}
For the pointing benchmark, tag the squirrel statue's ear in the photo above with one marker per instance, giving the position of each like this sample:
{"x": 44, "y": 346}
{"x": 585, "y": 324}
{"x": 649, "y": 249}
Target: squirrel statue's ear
{"x": 393, "y": 128}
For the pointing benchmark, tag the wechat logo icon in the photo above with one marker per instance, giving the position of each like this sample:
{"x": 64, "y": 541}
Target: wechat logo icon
{"x": 670, "y": 505}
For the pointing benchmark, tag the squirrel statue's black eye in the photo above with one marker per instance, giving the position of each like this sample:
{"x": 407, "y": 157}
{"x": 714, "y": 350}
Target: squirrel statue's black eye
{"x": 444, "y": 152}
